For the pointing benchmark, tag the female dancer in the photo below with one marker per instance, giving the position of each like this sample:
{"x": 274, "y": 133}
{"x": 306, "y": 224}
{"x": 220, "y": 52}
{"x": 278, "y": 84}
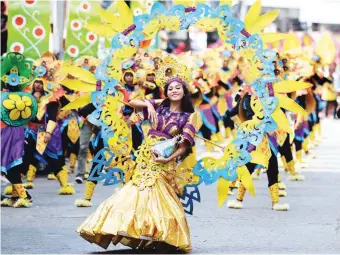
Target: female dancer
{"x": 17, "y": 109}
{"x": 146, "y": 212}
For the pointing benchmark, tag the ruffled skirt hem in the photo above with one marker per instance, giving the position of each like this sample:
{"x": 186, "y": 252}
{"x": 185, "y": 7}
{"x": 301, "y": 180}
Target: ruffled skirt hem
{"x": 152, "y": 218}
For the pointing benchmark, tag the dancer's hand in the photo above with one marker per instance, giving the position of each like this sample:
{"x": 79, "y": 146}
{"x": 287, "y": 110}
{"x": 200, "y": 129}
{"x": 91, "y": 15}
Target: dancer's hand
{"x": 159, "y": 159}
{"x": 152, "y": 114}
{"x": 47, "y": 137}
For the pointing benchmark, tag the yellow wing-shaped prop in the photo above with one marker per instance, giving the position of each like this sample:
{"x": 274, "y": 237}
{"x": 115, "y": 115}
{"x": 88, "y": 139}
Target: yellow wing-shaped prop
{"x": 101, "y": 30}
{"x": 78, "y": 85}
{"x": 290, "y": 86}
{"x": 273, "y": 37}
{"x": 263, "y": 21}
{"x": 222, "y": 190}
{"x": 79, "y": 102}
{"x": 252, "y": 14}
{"x": 79, "y": 73}
{"x": 246, "y": 179}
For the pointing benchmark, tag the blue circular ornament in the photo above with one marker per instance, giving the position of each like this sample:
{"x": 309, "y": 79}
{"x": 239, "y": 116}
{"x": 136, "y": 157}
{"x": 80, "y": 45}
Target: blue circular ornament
{"x": 13, "y": 79}
{"x": 40, "y": 71}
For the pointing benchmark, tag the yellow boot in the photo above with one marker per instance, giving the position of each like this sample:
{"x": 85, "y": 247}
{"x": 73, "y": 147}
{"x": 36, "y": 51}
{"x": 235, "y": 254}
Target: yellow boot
{"x": 237, "y": 204}
{"x": 293, "y": 175}
{"x": 231, "y": 188}
{"x": 318, "y": 131}
{"x": 51, "y": 177}
{"x": 73, "y": 161}
{"x": 299, "y": 159}
{"x": 30, "y": 177}
{"x": 209, "y": 147}
{"x": 8, "y": 190}
{"x": 305, "y": 145}
{"x": 66, "y": 189}
{"x": 214, "y": 138}
{"x": 89, "y": 190}
{"x": 9, "y": 202}
{"x": 256, "y": 174}
{"x": 282, "y": 187}
{"x": 89, "y": 156}
{"x": 86, "y": 175}
{"x": 228, "y": 133}
{"x": 284, "y": 163}
{"x": 219, "y": 137}
{"x": 23, "y": 201}
{"x": 274, "y": 194}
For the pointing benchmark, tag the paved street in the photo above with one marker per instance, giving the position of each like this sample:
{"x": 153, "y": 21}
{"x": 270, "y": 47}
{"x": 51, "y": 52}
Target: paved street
{"x": 311, "y": 226}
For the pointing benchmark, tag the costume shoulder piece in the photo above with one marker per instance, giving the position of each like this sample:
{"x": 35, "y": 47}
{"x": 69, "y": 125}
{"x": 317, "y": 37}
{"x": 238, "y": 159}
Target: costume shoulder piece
{"x": 17, "y": 107}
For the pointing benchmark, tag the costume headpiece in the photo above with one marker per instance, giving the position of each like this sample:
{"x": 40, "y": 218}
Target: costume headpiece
{"x": 170, "y": 70}
{"x": 17, "y": 108}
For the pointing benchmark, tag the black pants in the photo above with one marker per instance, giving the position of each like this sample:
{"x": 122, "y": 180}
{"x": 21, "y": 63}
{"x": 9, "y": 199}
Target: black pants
{"x": 228, "y": 122}
{"x": 68, "y": 146}
{"x": 54, "y": 165}
{"x": 14, "y": 174}
{"x": 206, "y": 132}
{"x": 285, "y": 150}
{"x": 298, "y": 145}
{"x": 272, "y": 172}
{"x": 335, "y": 105}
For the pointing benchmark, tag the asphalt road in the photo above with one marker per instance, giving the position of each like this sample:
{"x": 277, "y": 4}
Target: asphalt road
{"x": 311, "y": 226}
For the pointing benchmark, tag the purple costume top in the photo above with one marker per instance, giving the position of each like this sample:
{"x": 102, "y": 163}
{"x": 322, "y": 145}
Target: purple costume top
{"x": 171, "y": 123}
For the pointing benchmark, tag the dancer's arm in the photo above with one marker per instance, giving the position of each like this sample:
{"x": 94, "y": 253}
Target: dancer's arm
{"x": 152, "y": 114}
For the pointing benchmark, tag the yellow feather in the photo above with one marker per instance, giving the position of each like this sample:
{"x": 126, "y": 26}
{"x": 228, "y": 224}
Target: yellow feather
{"x": 101, "y": 30}
{"x": 289, "y": 104}
{"x": 107, "y": 17}
{"x": 281, "y": 120}
{"x": 290, "y": 86}
{"x": 125, "y": 14}
{"x": 79, "y": 102}
{"x": 222, "y": 190}
{"x": 226, "y": 2}
{"x": 262, "y": 22}
{"x": 326, "y": 49}
{"x": 253, "y": 14}
{"x": 79, "y": 73}
{"x": 112, "y": 20}
{"x": 246, "y": 179}
{"x": 78, "y": 85}
{"x": 291, "y": 43}
{"x": 273, "y": 37}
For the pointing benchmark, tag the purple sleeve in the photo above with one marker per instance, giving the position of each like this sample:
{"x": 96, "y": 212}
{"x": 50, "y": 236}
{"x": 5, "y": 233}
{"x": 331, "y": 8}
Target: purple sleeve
{"x": 189, "y": 133}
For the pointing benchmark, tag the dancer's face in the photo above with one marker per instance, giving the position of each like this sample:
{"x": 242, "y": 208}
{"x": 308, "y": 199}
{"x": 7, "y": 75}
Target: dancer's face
{"x": 128, "y": 77}
{"x": 150, "y": 78}
{"x": 38, "y": 87}
{"x": 175, "y": 91}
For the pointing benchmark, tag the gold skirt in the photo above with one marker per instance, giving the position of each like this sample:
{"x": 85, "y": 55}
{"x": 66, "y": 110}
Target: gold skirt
{"x": 139, "y": 219}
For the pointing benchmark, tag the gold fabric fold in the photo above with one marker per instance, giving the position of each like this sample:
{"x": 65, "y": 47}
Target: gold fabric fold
{"x": 139, "y": 218}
